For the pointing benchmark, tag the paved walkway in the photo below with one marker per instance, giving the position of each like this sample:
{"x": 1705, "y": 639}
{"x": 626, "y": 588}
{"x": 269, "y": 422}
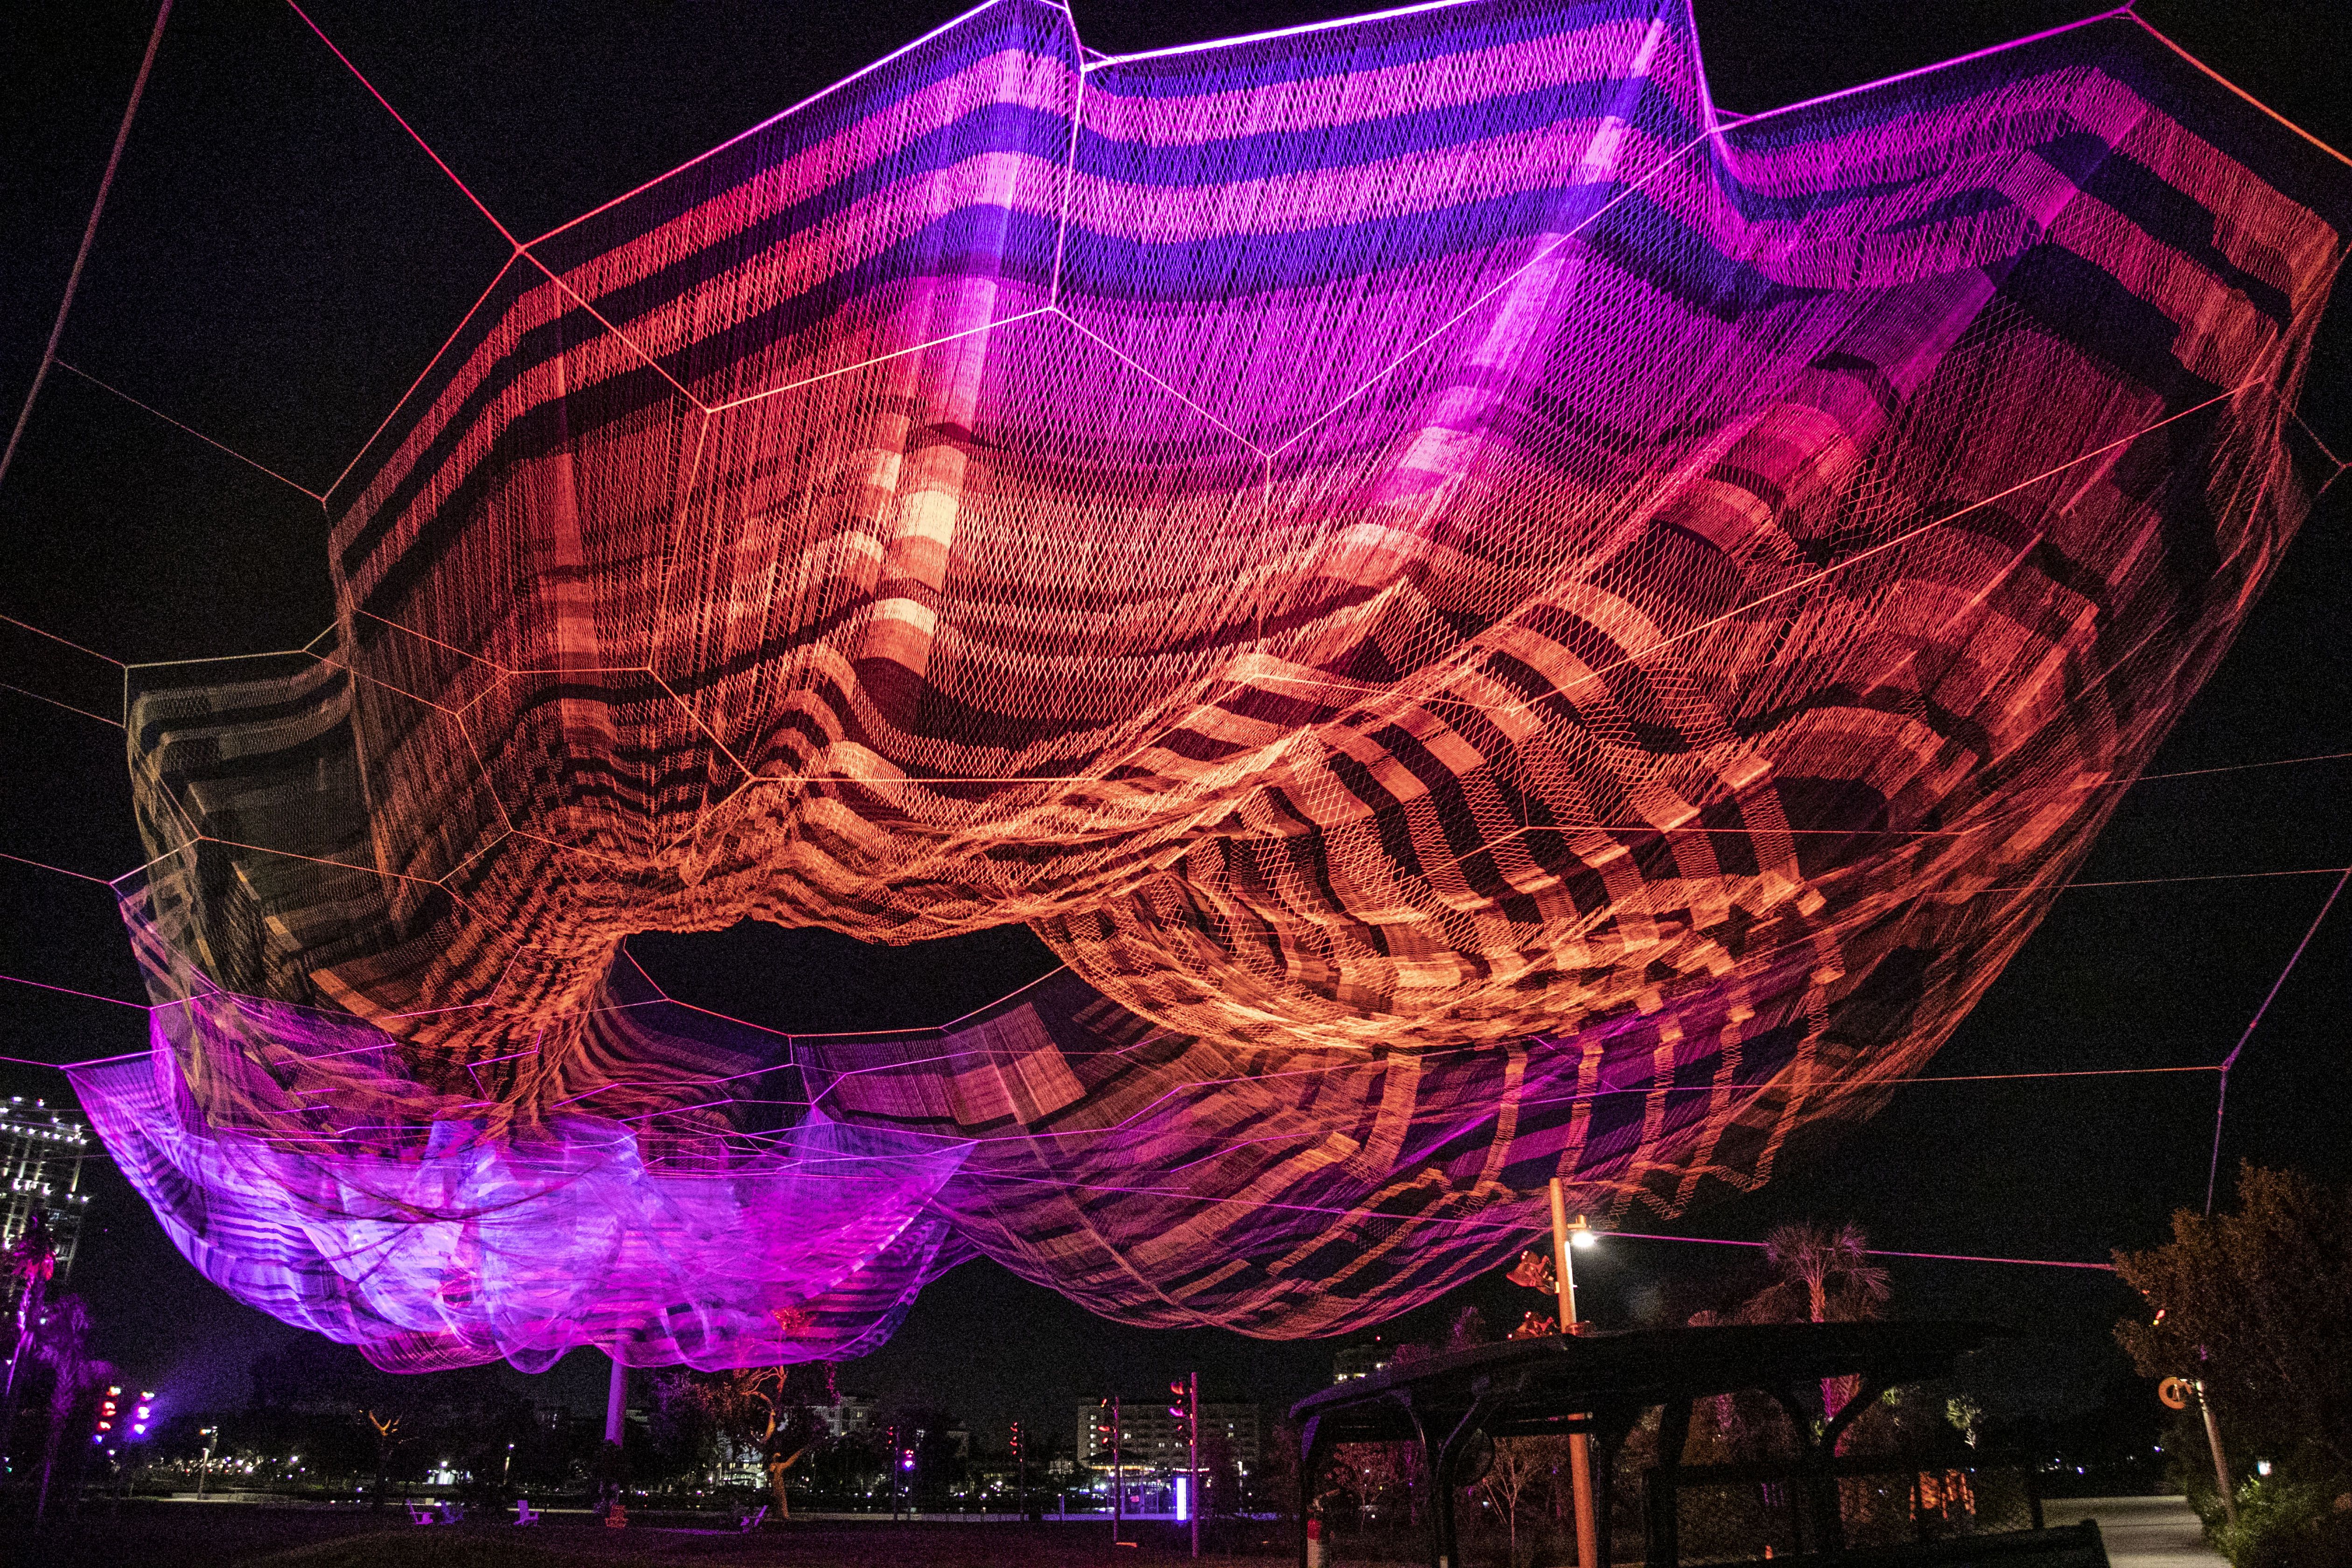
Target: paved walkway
{"x": 2140, "y": 1532}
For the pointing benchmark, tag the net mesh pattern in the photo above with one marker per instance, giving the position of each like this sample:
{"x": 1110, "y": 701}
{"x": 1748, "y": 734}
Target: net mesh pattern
{"x": 1502, "y": 624}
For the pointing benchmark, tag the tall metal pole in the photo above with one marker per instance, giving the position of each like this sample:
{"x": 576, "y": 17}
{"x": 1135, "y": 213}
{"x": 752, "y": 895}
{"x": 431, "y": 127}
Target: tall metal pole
{"x": 1118, "y": 1477}
{"x": 2221, "y": 1460}
{"x": 616, "y": 1402}
{"x": 1580, "y": 1444}
{"x": 1193, "y": 1403}
{"x": 88, "y": 238}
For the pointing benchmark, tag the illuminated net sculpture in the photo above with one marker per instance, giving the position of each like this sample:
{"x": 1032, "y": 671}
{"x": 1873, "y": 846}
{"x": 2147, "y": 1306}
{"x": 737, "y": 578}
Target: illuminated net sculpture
{"x": 1503, "y": 624}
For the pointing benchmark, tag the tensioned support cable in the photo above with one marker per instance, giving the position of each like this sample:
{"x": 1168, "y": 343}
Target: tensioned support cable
{"x": 88, "y": 238}
{"x": 2221, "y": 1099}
{"x": 69, "y": 366}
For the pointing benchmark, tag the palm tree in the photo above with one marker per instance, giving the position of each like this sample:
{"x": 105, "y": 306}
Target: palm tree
{"x": 63, "y": 1346}
{"x": 1831, "y": 1273}
{"x": 27, "y": 1267}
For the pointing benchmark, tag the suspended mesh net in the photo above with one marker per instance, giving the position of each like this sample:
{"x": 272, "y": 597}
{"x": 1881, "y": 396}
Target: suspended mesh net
{"x": 1501, "y": 623}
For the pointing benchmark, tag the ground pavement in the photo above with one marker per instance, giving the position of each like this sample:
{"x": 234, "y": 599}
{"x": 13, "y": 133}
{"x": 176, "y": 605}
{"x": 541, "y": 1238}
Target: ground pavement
{"x": 2140, "y": 1532}
{"x": 190, "y": 1536}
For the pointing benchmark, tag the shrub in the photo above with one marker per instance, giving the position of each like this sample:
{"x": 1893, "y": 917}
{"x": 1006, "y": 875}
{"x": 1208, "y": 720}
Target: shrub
{"x": 2284, "y": 1523}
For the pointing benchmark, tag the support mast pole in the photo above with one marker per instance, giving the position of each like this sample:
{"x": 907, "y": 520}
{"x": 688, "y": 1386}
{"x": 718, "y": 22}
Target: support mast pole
{"x": 1580, "y": 1444}
{"x": 2221, "y": 1460}
{"x": 88, "y": 238}
{"x": 1195, "y": 1426}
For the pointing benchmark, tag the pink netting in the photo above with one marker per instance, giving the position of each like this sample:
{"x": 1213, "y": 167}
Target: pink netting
{"x": 1501, "y": 627}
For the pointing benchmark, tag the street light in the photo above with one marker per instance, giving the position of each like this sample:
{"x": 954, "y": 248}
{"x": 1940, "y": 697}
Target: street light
{"x": 1566, "y": 1239}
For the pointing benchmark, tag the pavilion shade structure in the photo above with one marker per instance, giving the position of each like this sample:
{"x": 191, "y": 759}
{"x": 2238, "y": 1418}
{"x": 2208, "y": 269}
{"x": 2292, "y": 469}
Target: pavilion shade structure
{"x": 1501, "y": 623}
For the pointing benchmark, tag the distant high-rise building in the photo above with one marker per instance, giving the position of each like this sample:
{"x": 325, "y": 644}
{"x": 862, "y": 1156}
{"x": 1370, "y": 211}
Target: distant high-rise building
{"x": 41, "y": 1152}
{"x": 1360, "y": 1361}
{"x": 1152, "y": 1439}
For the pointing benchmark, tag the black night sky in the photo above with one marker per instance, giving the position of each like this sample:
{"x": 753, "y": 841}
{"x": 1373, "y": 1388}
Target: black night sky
{"x": 278, "y": 261}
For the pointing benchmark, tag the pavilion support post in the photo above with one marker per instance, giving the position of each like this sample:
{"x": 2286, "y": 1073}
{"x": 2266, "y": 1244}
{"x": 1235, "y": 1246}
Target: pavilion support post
{"x": 1821, "y": 1520}
{"x": 1827, "y": 1502}
{"x": 1310, "y": 1460}
{"x": 1611, "y": 1427}
{"x": 1663, "y": 1548}
{"x": 1445, "y": 1463}
{"x": 1441, "y": 1499}
{"x": 1444, "y": 1553}
{"x": 616, "y": 1401}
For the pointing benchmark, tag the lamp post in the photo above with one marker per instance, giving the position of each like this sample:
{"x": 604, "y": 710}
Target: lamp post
{"x": 211, "y": 1434}
{"x": 1564, "y": 1239}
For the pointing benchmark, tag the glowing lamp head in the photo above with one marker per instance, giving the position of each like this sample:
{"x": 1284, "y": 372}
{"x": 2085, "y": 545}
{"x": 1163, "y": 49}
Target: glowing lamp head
{"x": 907, "y": 1458}
{"x": 1584, "y": 1240}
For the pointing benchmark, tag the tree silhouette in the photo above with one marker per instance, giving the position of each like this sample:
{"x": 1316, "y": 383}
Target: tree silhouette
{"x": 2255, "y": 1306}
{"x": 1518, "y": 1465}
{"x": 768, "y": 1406}
{"x": 1825, "y": 1277}
{"x": 29, "y": 1265}
{"x": 387, "y": 1438}
{"x": 61, "y": 1343}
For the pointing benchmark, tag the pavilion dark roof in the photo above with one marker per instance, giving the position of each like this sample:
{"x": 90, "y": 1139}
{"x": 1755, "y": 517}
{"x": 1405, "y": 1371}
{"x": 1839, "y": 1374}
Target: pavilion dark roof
{"x": 1535, "y": 1382}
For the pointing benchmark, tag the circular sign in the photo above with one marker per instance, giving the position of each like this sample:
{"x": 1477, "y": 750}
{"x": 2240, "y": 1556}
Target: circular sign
{"x": 1477, "y": 1459}
{"x": 2174, "y": 1393}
